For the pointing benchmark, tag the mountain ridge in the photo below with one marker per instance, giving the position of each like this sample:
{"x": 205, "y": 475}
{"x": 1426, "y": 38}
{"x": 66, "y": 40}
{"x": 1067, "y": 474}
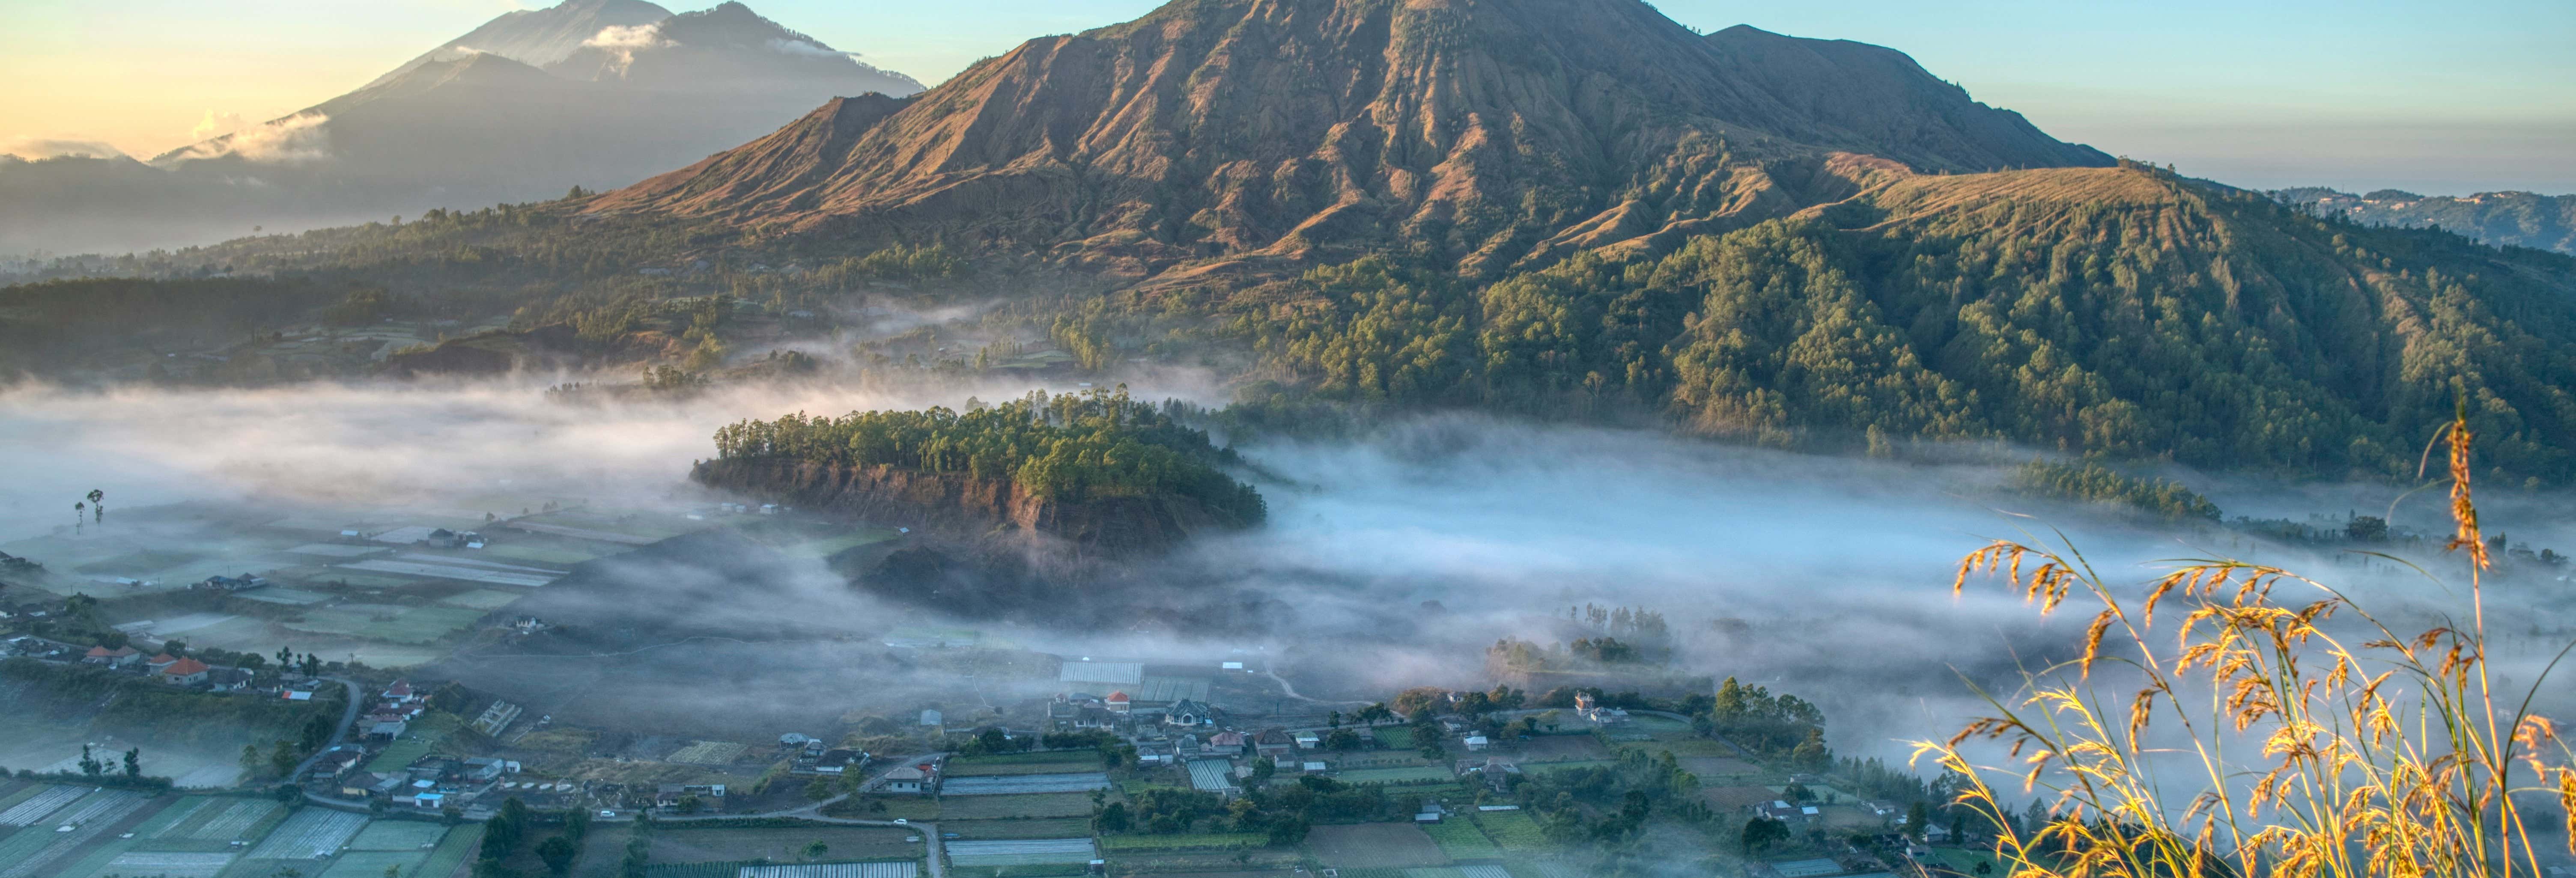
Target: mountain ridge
{"x": 1233, "y": 129}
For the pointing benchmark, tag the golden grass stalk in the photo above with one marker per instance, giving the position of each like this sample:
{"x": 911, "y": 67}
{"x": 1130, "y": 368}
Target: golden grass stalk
{"x": 2392, "y": 757}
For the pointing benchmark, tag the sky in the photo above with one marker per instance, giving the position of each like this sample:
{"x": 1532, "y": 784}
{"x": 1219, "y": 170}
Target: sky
{"x": 2432, "y": 97}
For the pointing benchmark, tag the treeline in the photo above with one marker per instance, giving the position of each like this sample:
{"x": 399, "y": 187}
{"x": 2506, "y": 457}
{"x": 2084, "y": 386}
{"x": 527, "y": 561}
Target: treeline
{"x": 1780, "y": 727}
{"x": 2095, "y": 483}
{"x": 1071, "y": 447}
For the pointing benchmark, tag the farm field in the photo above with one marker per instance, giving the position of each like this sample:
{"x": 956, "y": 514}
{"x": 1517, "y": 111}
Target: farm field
{"x": 1418, "y": 774}
{"x": 1024, "y": 783}
{"x": 1461, "y": 840}
{"x": 1066, "y": 762}
{"x": 397, "y": 835}
{"x": 681, "y": 843}
{"x": 372, "y": 864}
{"x": 1560, "y": 748}
{"x": 826, "y": 547}
{"x": 391, "y": 623}
{"x": 1063, "y": 827}
{"x": 310, "y": 834}
{"x": 1537, "y": 767}
{"x": 1025, "y": 805}
{"x": 1022, "y": 852}
{"x": 485, "y": 599}
{"x": 1396, "y": 738}
{"x": 905, "y": 869}
{"x": 1375, "y": 845}
{"x": 1511, "y": 830}
{"x": 459, "y": 845}
{"x": 161, "y": 865}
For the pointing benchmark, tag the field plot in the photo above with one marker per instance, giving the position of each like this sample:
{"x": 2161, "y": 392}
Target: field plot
{"x": 452, "y": 851}
{"x": 549, "y": 551}
{"x": 35, "y": 808}
{"x": 1484, "y": 872}
{"x": 222, "y": 820}
{"x": 826, "y": 547}
{"x": 708, "y": 753}
{"x": 1021, "y": 852}
{"x": 1375, "y": 845}
{"x": 425, "y": 733}
{"x": 387, "y": 622}
{"x": 1714, "y": 767}
{"x": 165, "y": 865}
{"x": 1025, "y": 805}
{"x": 519, "y": 576}
{"x": 1064, "y": 827}
{"x": 1395, "y": 738}
{"x": 1461, "y": 840}
{"x": 397, "y": 835}
{"x": 1560, "y": 748}
{"x": 372, "y": 864}
{"x": 1415, "y": 775}
{"x": 1537, "y": 767}
{"x": 834, "y": 870}
{"x": 92, "y": 816}
{"x": 311, "y": 833}
{"x": 680, "y": 843}
{"x": 334, "y": 550}
{"x": 1025, "y": 783}
{"x": 1021, "y": 763}
{"x": 485, "y": 599}
{"x": 1511, "y": 830}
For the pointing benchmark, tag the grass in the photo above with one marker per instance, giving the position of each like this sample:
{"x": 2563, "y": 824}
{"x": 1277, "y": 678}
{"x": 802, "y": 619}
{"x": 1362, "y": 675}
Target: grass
{"x": 485, "y": 599}
{"x": 2389, "y": 752}
{"x": 1511, "y": 830}
{"x": 1461, "y": 840}
{"x": 1395, "y": 737}
{"x": 1534, "y": 767}
{"x": 1187, "y": 841}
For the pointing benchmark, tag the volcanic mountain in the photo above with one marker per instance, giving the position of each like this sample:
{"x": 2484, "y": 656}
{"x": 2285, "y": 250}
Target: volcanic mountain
{"x": 592, "y": 93}
{"x": 1490, "y": 132}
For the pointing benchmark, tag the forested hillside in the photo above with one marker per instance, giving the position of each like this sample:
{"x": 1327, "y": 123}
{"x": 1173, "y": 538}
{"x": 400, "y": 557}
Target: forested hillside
{"x": 2505, "y": 219}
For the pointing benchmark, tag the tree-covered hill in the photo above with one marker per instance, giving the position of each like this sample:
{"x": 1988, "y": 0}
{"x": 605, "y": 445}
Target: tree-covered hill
{"x": 1070, "y": 447}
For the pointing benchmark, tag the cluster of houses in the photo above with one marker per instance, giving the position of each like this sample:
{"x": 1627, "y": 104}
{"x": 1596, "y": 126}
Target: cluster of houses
{"x": 393, "y": 710}
{"x": 811, "y": 756}
{"x": 176, "y": 670}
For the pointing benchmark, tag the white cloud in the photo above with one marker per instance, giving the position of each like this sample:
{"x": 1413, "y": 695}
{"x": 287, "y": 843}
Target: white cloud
{"x": 294, "y": 139}
{"x": 41, "y": 148}
{"x": 801, "y": 47}
{"x": 217, "y": 125}
{"x": 624, "y": 41}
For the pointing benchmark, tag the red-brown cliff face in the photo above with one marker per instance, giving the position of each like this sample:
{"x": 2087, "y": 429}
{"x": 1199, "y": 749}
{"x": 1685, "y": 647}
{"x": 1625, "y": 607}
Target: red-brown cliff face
{"x": 985, "y": 513}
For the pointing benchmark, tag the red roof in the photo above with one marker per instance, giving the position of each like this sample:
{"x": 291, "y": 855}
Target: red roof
{"x": 185, "y": 667}
{"x": 163, "y": 659}
{"x": 99, "y": 652}
{"x": 1118, "y": 696}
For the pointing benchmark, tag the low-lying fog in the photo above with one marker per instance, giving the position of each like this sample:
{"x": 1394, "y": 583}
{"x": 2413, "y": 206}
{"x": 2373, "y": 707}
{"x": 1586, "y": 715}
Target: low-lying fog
{"x": 1387, "y": 563}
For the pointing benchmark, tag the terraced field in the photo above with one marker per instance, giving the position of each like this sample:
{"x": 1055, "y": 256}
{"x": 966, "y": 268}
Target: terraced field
{"x": 45, "y": 802}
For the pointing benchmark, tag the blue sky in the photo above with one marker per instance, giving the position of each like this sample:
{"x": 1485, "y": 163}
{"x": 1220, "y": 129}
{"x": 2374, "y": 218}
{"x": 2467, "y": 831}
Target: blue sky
{"x": 2433, "y": 97}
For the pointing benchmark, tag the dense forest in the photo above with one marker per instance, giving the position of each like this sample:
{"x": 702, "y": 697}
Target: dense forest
{"x": 1067, "y": 447}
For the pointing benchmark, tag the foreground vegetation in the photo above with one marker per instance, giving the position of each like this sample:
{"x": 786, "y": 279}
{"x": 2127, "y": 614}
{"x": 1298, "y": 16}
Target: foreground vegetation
{"x": 2380, "y": 752}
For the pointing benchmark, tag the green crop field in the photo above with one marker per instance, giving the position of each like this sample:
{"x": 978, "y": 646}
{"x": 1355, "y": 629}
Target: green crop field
{"x": 1533, "y": 768}
{"x": 1393, "y": 776}
{"x": 485, "y": 599}
{"x": 451, "y": 852}
{"x": 1063, "y": 827}
{"x": 833, "y": 545}
{"x": 372, "y": 864}
{"x": 1025, "y": 805}
{"x": 1461, "y": 840}
{"x": 1395, "y": 738}
{"x": 1512, "y": 830}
